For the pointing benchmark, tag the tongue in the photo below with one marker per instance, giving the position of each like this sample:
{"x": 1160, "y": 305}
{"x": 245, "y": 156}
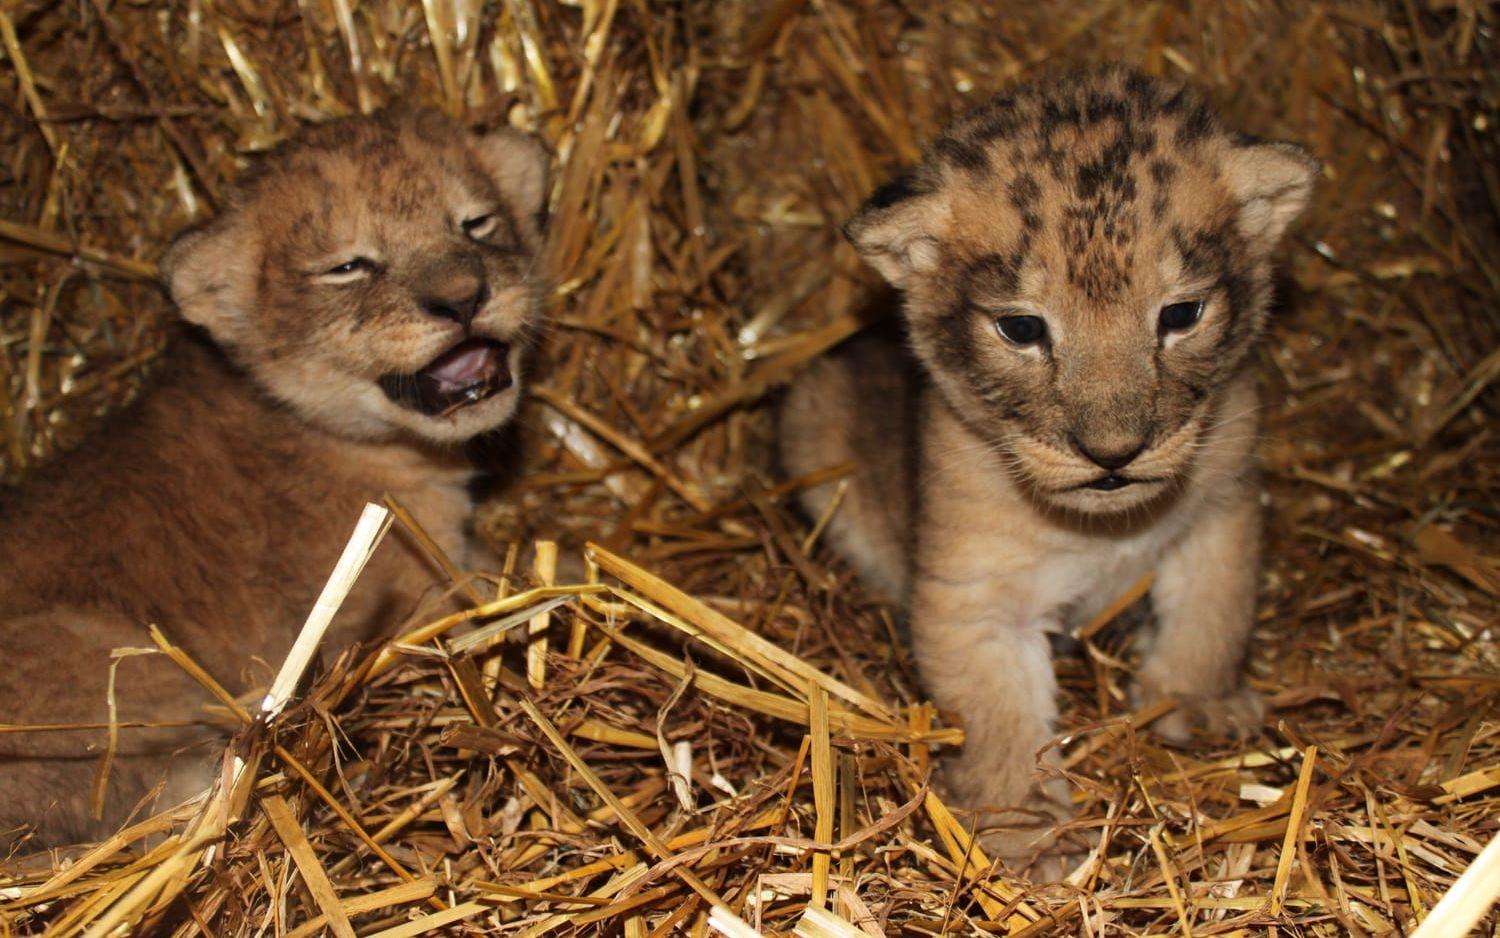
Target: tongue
{"x": 465, "y": 365}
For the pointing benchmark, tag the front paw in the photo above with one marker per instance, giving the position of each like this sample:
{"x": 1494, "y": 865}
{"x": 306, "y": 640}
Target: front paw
{"x": 1028, "y": 837}
{"x": 1238, "y": 715}
{"x": 1043, "y": 851}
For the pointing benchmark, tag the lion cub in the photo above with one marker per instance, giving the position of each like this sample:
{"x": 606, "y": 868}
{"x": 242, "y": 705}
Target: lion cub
{"x": 1085, "y": 265}
{"x": 364, "y": 300}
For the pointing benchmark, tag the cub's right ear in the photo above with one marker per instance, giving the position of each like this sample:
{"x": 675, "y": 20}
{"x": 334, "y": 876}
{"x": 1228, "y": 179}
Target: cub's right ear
{"x": 207, "y": 272}
{"x": 895, "y": 231}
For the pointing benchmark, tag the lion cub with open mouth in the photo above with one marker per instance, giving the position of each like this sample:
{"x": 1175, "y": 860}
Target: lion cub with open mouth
{"x": 1085, "y": 265}
{"x": 366, "y": 295}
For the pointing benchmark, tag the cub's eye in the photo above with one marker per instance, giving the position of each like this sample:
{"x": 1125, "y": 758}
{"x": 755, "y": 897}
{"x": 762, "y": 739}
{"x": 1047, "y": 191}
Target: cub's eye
{"x": 1022, "y": 330}
{"x": 351, "y": 269}
{"x": 480, "y": 226}
{"x": 1177, "y": 317}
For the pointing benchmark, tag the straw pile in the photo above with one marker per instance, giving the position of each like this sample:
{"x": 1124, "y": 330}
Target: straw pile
{"x": 720, "y": 715}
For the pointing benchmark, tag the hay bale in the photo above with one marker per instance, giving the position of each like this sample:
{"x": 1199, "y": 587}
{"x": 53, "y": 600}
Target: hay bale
{"x": 707, "y": 151}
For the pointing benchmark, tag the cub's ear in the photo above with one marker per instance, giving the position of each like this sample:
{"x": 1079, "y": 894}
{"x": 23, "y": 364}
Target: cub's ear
{"x": 519, "y": 165}
{"x": 207, "y": 270}
{"x": 1272, "y": 182}
{"x": 894, "y": 231}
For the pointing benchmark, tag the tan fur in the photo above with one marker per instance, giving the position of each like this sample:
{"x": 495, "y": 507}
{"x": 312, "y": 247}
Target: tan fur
{"x": 1054, "y": 473}
{"x": 871, "y": 377}
{"x": 217, "y": 504}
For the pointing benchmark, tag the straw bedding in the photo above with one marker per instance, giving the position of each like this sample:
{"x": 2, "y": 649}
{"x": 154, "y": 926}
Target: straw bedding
{"x": 718, "y": 714}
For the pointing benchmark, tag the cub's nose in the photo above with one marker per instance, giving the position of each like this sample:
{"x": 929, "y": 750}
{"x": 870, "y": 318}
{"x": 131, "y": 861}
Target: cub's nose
{"x": 1110, "y": 456}
{"x": 459, "y": 301}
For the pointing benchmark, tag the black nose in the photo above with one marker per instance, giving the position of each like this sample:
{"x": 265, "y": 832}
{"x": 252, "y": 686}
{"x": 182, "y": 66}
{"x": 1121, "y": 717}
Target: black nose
{"x": 459, "y": 304}
{"x": 1107, "y": 459}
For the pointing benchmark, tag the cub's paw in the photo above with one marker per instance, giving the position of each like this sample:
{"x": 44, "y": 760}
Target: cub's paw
{"x": 1044, "y": 856}
{"x": 1235, "y": 715}
{"x": 1034, "y": 839}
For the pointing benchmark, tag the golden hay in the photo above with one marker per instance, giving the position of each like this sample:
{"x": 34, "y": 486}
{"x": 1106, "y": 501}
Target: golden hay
{"x": 721, "y": 722}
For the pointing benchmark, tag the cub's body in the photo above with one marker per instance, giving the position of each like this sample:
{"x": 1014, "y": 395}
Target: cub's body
{"x": 209, "y": 510}
{"x": 349, "y": 343}
{"x": 1085, "y": 268}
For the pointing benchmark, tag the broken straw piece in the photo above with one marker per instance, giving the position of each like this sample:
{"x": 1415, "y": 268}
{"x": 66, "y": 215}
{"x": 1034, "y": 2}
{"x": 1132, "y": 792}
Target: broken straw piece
{"x": 374, "y": 521}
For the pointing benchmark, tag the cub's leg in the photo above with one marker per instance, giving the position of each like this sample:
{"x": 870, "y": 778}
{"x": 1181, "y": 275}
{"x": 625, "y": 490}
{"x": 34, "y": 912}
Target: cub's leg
{"x": 1204, "y": 594}
{"x": 995, "y": 671}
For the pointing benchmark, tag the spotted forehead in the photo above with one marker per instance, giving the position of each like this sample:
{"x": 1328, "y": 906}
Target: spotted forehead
{"x": 1080, "y": 172}
{"x": 371, "y": 171}
{"x": 396, "y": 177}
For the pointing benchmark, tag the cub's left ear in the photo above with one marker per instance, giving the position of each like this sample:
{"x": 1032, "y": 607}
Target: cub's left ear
{"x": 519, "y": 165}
{"x": 1272, "y": 182}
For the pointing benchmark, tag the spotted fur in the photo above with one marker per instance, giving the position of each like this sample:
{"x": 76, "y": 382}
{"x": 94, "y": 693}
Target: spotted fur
{"x": 1054, "y": 472}
{"x": 1097, "y": 198}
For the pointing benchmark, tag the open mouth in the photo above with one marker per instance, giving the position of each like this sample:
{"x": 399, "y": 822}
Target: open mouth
{"x": 469, "y": 372}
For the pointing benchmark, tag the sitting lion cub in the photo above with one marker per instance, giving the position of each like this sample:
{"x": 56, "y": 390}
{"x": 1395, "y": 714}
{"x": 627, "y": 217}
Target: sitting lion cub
{"x": 366, "y": 297}
{"x": 1086, "y": 266}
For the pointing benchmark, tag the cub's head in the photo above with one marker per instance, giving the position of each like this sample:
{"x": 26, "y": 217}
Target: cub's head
{"x": 1086, "y": 263}
{"x": 376, "y": 274}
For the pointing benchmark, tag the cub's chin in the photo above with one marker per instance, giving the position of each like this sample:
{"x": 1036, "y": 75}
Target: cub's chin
{"x": 1110, "y": 495}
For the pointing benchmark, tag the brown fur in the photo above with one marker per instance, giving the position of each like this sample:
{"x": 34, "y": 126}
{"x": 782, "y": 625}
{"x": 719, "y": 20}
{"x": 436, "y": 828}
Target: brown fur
{"x": 1092, "y": 202}
{"x": 217, "y": 504}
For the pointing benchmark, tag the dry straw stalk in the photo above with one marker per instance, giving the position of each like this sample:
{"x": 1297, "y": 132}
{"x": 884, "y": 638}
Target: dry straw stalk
{"x": 446, "y": 782}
